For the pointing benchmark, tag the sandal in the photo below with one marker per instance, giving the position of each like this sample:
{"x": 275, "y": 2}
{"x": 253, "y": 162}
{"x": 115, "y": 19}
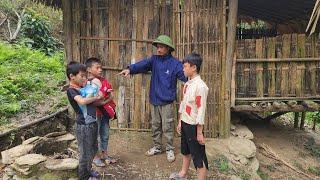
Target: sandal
{"x": 110, "y": 160}
{"x": 176, "y": 176}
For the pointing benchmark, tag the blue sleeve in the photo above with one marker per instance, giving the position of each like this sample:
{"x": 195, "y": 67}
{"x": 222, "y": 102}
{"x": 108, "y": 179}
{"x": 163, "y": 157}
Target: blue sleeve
{"x": 142, "y": 66}
{"x": 180, "y": 74}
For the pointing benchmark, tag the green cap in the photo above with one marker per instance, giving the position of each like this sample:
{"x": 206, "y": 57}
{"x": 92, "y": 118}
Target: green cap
{"x": 164, "y": 39}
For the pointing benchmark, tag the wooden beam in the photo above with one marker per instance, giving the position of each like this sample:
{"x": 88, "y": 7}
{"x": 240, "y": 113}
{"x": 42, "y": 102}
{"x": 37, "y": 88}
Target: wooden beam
{"x": 314, "y": 98}
{"x": 231, "y": 40}
{"x": 273, "y": 116}
{"x": 260, "y": 60}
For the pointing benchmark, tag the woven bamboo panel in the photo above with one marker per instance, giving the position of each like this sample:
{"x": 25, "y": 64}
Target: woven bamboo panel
{"x": 200, "y": 28}
{"x": 282, "y": 66}
{"x": 120, "y": 33}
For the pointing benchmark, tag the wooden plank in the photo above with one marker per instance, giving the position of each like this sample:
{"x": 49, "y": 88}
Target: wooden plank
{"x": 285, "y": 68}
{"x": 76, "y": 31}
{"x": 300, "y": 66}
{"x": 138, "y": 55}
{"x": 293, "y": 65}
{"x": 68, "y": 29}
{"x": 271, "y": 67}
{"x": 259, "y": 68}
{"x": 315, "y": 98}
{"x": 277, "y": 60}
{"x": 313, "y": 67}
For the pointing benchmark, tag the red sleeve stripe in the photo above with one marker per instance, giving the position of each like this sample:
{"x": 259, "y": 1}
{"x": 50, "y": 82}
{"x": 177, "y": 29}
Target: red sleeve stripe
{"x": 198, "y": 101}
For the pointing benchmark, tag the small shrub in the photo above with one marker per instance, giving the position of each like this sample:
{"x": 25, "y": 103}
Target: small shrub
{"x": 222, "y": 164}
{"x": 36, "y": 33}
{"x": 314, "y": 170}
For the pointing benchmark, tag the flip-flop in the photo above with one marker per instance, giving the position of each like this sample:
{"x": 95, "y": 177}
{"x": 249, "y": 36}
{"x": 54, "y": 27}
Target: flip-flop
{"x": 176, "y": 176}
{"x": 110, "y": 160}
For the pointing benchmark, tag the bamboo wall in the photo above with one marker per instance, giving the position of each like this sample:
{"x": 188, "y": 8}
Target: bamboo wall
{"x": 120, "y": 33}
{"x": 285, "y": 67}
{"x": 202, "y": 29}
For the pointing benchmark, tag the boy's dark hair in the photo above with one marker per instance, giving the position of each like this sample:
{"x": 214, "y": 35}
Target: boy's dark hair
{"x": 89, "y": 62}
{"x": 74, "y": 68}
{"x": 193, "y": 59}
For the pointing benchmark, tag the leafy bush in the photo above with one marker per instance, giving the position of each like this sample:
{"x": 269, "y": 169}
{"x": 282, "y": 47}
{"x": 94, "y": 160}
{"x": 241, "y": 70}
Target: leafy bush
{"x": 222, "y": 164}
{"x": 36, "y": 33}
{"x": 26, "y": 76}
{"x": 55, "y": 17}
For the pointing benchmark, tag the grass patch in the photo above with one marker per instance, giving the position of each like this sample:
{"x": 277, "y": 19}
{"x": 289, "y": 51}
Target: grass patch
{"x": 314, "y": 170}
{"x": 27, "y": 78}
{"x": 313, "y": 147}
{"x": 222, "y": 164}
{"x": 263, "y": 175}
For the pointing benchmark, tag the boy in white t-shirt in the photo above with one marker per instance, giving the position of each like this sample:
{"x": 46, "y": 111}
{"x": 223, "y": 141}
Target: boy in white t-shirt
{"x": 192, "y": 113}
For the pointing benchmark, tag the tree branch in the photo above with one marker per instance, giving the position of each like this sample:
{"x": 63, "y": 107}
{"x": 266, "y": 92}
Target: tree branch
{"x": 18, "y": 25}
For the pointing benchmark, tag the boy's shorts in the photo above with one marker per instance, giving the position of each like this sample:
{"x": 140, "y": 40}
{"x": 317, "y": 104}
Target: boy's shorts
{"x": 190, "y": 145}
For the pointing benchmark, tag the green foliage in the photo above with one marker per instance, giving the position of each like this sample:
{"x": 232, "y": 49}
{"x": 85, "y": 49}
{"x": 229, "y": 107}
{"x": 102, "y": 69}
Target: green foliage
{"x": 9, "y": 6}
{"x": 36, "y": 32}
{"x": 313, "y": 147}
{"x": 222, "y": 164}
{"x": 262, "y": 175}
{"x": 26, "y": 77}
{"x": 314, "y": 170}
{"x": 55, "y": 18}
{"x": 253, "y": 25}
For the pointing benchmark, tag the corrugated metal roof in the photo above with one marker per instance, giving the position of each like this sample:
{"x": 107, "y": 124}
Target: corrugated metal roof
{"x": 277, "y": 11}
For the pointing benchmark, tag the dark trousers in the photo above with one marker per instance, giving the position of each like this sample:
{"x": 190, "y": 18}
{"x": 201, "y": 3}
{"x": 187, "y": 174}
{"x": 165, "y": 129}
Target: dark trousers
{"x": 88, "y": 146}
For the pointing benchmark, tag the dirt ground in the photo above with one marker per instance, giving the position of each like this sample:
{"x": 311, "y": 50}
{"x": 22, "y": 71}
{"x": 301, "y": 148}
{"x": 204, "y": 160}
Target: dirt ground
{"x": 289, "y": 145}
{"x": 129, "y": 149}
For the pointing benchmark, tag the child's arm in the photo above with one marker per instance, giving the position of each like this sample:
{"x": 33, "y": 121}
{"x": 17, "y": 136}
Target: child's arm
{"x": 179, "y": 125}
{"x": 83, "y": 101}
{"x": 201, "y": 102}
{"x": 103, "y": 101}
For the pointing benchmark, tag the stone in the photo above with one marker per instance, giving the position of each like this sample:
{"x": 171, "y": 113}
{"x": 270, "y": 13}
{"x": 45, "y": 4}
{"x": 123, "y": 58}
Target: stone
{"x": 254, "y": 164}
{"x": 25, "y": 171}
{"x": 234, "y": 177}
{"x": 8, "y": 156}
{"x": 50, "y": 176}
{"x": 74, "y": 145}
{"x": 16, "y": 177}
{"x": 62, "y": 164}
{"x": 30, "y": 160}
{"x": 232, "y": 127}
{"x": 31, "y": 140}
{"x": 55, "y": 134}
{"x": 8, "y": 173}
{"x": 241, "y": 146}
{"x": 243, "y": 132}
{"x": 243, "y": 160}
{"x": 66, "y": 137}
